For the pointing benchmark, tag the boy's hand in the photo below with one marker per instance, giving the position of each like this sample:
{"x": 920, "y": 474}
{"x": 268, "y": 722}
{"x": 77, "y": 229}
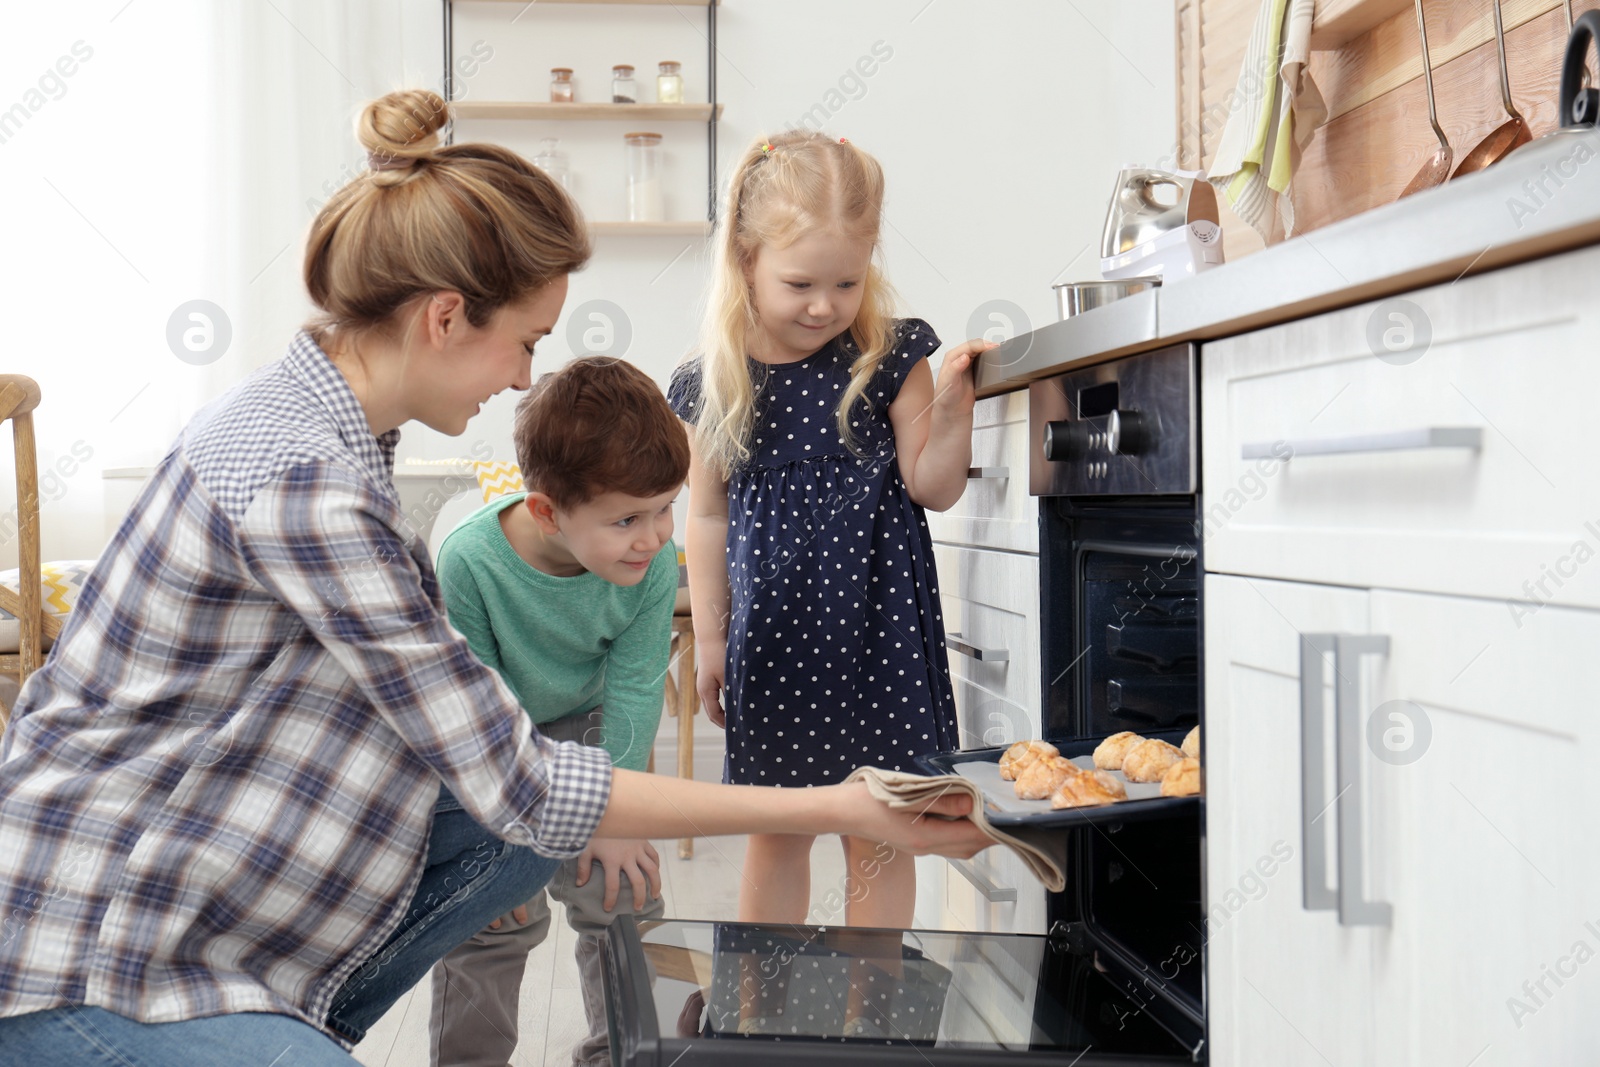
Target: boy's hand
{"x": 954, "y": 392}
{"x": 519, "y": 915}
{"x": 638, "y": 859}
{"x": 711, "y": 662}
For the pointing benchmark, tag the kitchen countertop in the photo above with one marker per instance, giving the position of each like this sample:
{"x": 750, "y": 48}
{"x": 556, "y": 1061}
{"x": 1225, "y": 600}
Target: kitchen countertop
{"x": 1543, "y": 199}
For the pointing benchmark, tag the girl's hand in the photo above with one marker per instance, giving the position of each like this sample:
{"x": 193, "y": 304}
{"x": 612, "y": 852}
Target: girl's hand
{"x": 711, "y": 662}
{"x": 637, "y": 859}
{"x": 954, "y": 393}
{"x": 940, "y": 829}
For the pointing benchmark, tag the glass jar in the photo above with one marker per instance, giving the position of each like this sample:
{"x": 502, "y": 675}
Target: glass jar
{"x": 561, "y": 85}
{"x": 645, "y": 202}
{"x": 553, "y": 162}
{"x": 669, "y": 83}
{"x": 623, "y": 90}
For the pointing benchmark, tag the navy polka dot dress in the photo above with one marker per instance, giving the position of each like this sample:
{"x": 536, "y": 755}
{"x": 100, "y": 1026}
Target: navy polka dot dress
{"x": 836, "y": 653}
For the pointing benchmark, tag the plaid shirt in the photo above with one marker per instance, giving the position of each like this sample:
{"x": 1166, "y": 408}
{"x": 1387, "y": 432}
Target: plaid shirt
{"x": 216, "y": 795}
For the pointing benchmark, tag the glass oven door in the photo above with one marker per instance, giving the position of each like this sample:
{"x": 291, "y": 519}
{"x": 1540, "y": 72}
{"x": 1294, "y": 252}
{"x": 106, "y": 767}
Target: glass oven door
{"x": 745, "y": 993}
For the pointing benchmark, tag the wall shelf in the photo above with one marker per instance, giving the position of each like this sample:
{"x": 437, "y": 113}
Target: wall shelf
{"x": 540, "y": 109}
{"x": 708, "y": 113}
{"x": 699, "y": 228}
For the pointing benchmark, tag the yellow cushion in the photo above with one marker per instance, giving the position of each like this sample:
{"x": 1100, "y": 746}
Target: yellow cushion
{"x": 497, "y": 477}
{"x": 60, "y": 582}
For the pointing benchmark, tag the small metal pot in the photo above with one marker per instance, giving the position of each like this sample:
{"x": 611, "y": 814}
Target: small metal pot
{"x": 1073, "y": 298}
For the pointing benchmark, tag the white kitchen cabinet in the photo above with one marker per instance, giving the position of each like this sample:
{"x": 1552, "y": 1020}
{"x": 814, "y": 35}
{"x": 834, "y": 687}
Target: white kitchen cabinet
{"x": 1466, "y": 733}
{"x": 1480, "y": 842}
{"x": 996, "y": 510}
{"x": 1386, "y": 488}
{"x": 1285, "y": 985}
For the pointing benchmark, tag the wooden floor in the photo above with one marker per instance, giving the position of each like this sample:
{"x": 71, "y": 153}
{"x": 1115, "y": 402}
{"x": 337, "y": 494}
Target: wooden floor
{"x": 552, "y": 1020}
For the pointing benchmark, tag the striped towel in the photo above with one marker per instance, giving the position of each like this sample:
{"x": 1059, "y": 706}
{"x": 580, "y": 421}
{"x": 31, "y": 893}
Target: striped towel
{"x": 1278, "y": 111}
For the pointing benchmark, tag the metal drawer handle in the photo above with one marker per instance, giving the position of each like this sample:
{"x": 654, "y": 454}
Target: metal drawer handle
{"x": 955, "y": 643}
{"x": 1346, "y": 649}
{"x": 988, "y": 472}
{"x": 1398, "y": 441}
{"x": 1354, "y": 908}
{"x": 994, "y": 894}
{"x": 1314, "y": 651}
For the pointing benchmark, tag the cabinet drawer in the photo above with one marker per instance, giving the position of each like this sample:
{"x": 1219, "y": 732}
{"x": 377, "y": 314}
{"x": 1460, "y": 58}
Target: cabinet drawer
{"x": 1370, "y": 496}
{"x": 996, "y": 510}
{"x": 991, "y": 599}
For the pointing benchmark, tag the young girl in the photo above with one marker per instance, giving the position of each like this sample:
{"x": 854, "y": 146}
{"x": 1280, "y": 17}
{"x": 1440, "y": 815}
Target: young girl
{"x": 820, "y": 437}
{"x": 262, "y": 786}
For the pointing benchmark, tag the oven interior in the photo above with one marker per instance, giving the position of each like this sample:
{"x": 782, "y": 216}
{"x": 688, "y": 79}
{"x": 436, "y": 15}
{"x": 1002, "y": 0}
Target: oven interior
{"x": 1121, "y": 651}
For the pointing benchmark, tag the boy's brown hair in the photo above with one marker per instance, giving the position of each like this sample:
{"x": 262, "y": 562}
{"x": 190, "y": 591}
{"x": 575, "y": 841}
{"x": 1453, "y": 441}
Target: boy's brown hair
{"x": 598, "y": 425}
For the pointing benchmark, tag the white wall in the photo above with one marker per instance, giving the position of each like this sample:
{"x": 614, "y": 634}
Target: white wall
{"x": 184, "y": 159}
{"x": 1000, "y": 127}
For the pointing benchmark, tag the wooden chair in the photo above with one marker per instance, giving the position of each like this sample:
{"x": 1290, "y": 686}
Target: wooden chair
{"x": 19, "y": 395}
{"x": 682, "y": 702}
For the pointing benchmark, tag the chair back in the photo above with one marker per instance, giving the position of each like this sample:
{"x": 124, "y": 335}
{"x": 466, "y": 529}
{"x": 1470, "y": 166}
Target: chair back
{"x": 19, "y": 395}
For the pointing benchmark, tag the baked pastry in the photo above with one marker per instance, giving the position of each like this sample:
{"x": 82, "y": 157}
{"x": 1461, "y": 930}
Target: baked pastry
{"x": 1148, "y": 760}
{"x": 1191, "y": 744}
{"x": 1044, "y": 776}
{"x": 1182, "y": 778}
{"x": 1108, "y": 755}
{"x": 1019, "y": 755}
{"x": 1088, "y": 789}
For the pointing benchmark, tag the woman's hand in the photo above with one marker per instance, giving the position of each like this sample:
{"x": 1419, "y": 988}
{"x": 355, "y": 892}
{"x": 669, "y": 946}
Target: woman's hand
{"x": 941, "y": 828}
{"x": 954, "y": 392}
{"x": 637, "y": 859}
{"x": 711, "y": 663}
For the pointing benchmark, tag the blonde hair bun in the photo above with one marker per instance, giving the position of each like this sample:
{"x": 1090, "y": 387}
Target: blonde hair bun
{"x": 400, "y": 130}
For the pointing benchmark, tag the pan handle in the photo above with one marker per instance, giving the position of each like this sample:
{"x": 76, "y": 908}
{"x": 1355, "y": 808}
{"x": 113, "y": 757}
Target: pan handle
{"x": 1580, "y": 105}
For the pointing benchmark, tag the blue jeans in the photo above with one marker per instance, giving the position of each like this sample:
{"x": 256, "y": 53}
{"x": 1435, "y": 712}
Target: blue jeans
{"x": 471, "y": 879}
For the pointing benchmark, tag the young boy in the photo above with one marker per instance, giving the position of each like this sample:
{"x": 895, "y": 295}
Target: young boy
{"x": 567, "y": 590}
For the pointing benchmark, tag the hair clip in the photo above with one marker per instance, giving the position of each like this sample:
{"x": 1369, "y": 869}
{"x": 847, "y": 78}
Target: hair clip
{"x": 766, "y": 149}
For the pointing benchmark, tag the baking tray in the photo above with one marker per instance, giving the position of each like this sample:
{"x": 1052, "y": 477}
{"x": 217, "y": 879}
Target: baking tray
{"x": 1004, "y": 808}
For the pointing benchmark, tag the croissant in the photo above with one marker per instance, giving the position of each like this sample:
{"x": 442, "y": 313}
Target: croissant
{"x": 1191, "y": 744}
{"x": 1044, "y": 776}
{"x": 1019, "y": 755}
{"x": 1148, "y": 760}
{"x": 1110, "y": 752}
{"x": 1182, "y": 778}
{"x": 1088, "y": 789}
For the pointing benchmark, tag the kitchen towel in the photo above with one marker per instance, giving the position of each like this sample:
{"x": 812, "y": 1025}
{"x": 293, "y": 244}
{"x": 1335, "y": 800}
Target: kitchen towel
{"x": 1044, "y": 851}
{"x": 1275, "y": 110}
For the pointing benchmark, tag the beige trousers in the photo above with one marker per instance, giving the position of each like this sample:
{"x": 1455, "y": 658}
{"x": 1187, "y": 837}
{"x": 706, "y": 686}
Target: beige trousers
{"x": 475, "y": 988}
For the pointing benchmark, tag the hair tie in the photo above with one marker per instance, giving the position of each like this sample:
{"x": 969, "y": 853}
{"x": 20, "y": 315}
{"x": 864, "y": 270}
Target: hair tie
{"x": 766, "y": 149}
{"x": 388, "y": 161}
{"x": 844, "y": 140}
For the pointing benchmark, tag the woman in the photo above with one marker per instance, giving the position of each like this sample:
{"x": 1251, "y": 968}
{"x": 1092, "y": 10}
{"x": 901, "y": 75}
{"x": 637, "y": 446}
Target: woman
{"x": 223, "y": 791}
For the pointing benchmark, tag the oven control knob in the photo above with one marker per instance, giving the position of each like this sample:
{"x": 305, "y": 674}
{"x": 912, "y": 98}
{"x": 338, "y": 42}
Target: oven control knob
{"x": 1065, "y": 440}
{"x": 1127, "y": 433}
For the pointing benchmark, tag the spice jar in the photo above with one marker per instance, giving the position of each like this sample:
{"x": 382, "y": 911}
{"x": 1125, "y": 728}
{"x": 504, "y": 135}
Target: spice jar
{"x": 561, "y": 85}
{"x": 623, "y": 90}
{"x": 553, "y": 162}
{"x": 669, "y": 84}
{"x": 644, "y": 177}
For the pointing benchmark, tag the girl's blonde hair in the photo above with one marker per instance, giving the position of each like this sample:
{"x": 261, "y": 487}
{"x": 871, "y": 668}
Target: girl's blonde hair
{"x": 476, "y": 219}
{"x": 797, "y": 183}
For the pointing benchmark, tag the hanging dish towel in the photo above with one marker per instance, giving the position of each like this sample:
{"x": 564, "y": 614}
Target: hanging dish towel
{"x": 1276, "y": 109}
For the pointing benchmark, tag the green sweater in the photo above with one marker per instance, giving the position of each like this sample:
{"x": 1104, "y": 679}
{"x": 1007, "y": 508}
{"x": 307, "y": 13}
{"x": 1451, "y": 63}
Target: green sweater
{"x": 564, "y": 645}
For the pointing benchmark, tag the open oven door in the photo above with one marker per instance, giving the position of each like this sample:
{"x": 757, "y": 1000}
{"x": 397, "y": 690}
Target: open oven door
{"x": 741, "y": 993}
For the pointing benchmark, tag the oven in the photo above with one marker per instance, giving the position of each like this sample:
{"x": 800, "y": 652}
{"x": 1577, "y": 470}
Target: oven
{"x": 1119, "y": 977}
